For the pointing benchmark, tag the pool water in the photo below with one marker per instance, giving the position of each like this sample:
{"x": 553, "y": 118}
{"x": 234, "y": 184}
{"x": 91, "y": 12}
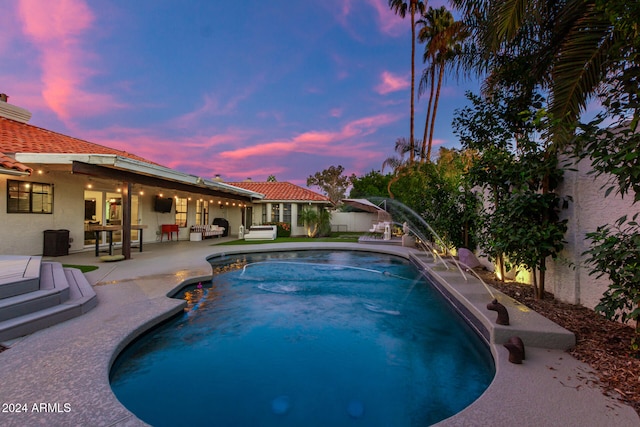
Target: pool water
{"x": 311, "y": 338}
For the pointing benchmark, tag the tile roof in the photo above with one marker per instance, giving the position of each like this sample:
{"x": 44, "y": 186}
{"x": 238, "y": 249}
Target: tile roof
{"x": 7, "y": 162}
{"x": 281, "y": 191}
{"x": 17, "y": 137}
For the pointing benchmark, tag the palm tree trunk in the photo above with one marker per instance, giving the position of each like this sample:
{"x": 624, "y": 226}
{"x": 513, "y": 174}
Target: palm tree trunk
{"x": 391, "y": 182}
{"x": 435, "y": 110}
{"x": 426, "y": 120}
{"x": 413, "y": 78}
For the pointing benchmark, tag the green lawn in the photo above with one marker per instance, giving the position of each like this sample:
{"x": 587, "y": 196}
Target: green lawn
{"x": 83, "y": 268}
{"x": 335, "y": 237}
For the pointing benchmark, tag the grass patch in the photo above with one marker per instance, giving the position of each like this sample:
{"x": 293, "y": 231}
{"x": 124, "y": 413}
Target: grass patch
{"x": 83, "y": 268}
{"x": 335, "y": 237}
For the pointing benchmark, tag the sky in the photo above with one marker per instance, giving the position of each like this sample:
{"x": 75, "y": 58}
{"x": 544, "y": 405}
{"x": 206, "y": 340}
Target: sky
{"x": 243, "y": 89}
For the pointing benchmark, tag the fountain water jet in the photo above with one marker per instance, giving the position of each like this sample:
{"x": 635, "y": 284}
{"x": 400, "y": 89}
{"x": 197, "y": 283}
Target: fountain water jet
{"x": 403, "y": 211}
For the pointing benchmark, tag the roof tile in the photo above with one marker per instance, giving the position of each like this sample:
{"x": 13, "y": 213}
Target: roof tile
{"x": 7, "y": 162}
{"x": 17, "y": 137}
{"x": 281, "y": 191}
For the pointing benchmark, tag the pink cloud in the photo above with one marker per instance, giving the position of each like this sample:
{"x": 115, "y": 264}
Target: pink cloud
{"x": 155, "y": 144}
{"x": 209, "y": 106}
{"x": 58, "y": 29}
{"x": 392, "y": 24}
{"x": 388, "y": 21}
{"x": 338, "y": 143}
{"x": 204, "y": 155}
{"x": 212, "y": 106}
{"x": 391, "y": 83}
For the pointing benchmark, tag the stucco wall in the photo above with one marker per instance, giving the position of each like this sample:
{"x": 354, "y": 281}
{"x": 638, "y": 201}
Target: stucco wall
{"x": 23, "y": 234}
{"x": 353, "y": 221}
{"x": 569, "y": 278}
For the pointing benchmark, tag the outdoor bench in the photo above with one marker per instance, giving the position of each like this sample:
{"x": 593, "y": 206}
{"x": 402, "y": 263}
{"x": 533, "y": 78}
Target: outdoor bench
{"x": 261, "y": 232}
{"x": 199, "y": 232}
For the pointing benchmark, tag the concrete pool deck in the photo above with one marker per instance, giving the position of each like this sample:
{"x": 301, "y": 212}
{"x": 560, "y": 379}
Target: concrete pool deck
{"x": 60, "y": 376}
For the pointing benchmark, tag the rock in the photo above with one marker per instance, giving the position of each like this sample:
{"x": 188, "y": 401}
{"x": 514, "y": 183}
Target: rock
{"x": 467, "y": 258}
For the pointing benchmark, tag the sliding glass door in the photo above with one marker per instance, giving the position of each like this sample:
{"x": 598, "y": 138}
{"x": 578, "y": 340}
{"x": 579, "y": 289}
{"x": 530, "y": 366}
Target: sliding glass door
{"x": 105, "y": 208}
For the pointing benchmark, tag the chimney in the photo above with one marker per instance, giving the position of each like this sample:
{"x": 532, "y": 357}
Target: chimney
{"x": 248, "y": 179}
{"x": 11, "y": 111}
{"x": 217, "y": 178}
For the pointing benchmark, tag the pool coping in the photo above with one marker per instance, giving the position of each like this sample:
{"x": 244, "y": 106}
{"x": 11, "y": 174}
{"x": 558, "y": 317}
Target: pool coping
{"x": 69, "y": 363}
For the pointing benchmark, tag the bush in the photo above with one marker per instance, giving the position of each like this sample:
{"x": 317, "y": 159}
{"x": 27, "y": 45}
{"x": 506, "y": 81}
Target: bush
{"x": 284, "y": 228}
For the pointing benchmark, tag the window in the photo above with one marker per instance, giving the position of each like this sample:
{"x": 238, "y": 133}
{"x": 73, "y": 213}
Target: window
{"x": 181, "y": 211}
{"x": 275, "y": 212}
{"x": 286, "y": 215}
{"x": 264, "y": 214}
{"x": 29, "y": 197}
{"x": 202, "y": 212}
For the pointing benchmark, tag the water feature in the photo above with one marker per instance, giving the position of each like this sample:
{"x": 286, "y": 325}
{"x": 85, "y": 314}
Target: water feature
{"x": 310, "y": 338}
{"x": 402, "y": 213}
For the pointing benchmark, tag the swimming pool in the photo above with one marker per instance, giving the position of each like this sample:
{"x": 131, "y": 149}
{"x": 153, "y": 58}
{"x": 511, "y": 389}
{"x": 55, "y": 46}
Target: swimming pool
{"x": 306, "y": 338}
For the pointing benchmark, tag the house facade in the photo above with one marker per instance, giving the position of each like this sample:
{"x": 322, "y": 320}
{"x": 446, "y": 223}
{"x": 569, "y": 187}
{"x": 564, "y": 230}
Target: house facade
{"x": 282, "y": 202}
{"x": 54, "y": 182}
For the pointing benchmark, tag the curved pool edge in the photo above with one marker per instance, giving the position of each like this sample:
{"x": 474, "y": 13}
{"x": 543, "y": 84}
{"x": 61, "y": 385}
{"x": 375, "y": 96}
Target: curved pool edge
{"x": 547, "y": 354}
{"x": 549, "y": 388}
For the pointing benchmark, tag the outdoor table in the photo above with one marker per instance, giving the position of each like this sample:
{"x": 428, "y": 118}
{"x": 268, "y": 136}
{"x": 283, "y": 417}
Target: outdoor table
{"x": 97, "y": 229}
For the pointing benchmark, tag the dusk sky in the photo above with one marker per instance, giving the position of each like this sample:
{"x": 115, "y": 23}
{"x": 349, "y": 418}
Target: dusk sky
{"x": 240, "y": 88}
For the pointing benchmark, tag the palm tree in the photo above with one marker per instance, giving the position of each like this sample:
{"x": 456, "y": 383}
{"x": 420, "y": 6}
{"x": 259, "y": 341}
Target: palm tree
{"x": 309, "y": 218}
{"x": 317, "y": 223}
{"x": 568, "y": 48}
{"x": 400, "y": 7}
{"x": 324, "y": 223}
{"x": 398, "y": 163}
{"x": 441, "y": 35}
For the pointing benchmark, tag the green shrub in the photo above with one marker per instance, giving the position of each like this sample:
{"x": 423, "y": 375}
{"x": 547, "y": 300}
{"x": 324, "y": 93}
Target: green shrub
{"x": 284, "y": 228}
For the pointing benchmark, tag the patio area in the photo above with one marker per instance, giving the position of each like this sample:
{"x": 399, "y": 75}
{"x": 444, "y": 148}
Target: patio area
{"x": 66, "y": 367}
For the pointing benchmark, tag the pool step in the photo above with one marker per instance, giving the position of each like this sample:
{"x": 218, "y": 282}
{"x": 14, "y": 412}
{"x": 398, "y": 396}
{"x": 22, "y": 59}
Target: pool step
{"x": 62, "y": 294}
{"x": 470, "y": 298}
{"x": 19, "y": 275}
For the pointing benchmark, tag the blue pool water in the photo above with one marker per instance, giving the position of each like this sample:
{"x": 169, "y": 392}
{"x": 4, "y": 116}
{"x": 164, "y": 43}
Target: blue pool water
{"x": 306, "y": 339}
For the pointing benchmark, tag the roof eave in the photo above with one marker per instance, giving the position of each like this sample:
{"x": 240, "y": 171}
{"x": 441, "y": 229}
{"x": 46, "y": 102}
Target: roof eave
{"x": 14, "y": 172}
{"x": 327, "y": 202}
{"x": 135, "y": 166}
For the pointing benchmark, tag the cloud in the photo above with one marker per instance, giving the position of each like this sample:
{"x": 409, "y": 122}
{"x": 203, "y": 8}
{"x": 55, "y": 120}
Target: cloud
{"x": 212, "y": 106}
{"x": 393, "y": 25}
{"x": 388, "y": 22}
{"x": 58, "y": 30}
{"x": 211, "y": 153}
{"x": 338, "y": 143}
{"x": 391, "y": 83}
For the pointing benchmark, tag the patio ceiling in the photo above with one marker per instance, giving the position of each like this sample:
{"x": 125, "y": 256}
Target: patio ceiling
{"x": 138, "y": 178}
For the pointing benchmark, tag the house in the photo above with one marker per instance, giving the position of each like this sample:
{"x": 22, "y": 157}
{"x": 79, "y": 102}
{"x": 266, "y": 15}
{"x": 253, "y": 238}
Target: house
{"x": 50, "y": 181}
{"x": 282, "y": 202}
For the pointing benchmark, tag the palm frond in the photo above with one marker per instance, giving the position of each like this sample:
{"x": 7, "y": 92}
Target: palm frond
{"x": 581, "y": 66}
{"x": 507, "y": 17}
